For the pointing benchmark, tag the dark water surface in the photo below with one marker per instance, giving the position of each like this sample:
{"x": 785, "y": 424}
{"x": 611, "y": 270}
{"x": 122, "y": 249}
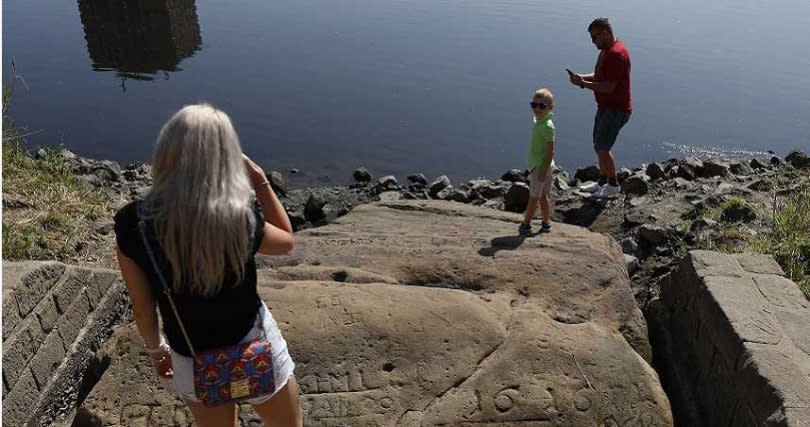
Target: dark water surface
{"x": 403, "y": 86}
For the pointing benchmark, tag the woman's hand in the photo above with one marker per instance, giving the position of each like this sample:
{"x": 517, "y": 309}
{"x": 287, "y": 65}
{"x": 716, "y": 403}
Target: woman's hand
{"x": 162, "y": 360}
{"x": 255, "y": 172}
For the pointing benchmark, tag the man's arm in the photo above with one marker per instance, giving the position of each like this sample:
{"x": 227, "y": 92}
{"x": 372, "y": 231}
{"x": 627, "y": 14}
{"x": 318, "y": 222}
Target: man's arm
{"x": 601, "y": 87}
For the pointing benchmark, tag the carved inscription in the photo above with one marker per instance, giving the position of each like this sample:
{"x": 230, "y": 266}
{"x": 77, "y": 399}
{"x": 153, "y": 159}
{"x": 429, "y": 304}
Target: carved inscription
{"x": 348, "y": 405}
{"x": 338, "y": 315}
{"x": 333, "y": 382}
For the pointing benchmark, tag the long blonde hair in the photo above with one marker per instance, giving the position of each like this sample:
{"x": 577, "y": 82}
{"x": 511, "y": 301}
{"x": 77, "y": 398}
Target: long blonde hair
{"x": 199, "y": 202}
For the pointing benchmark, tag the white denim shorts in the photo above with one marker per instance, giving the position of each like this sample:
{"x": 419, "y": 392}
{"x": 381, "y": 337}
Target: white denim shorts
{"x": 283, "y": 366}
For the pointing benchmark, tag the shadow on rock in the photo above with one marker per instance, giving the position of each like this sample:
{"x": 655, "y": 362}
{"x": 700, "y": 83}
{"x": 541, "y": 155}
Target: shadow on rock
{"x": 505, "y": 243}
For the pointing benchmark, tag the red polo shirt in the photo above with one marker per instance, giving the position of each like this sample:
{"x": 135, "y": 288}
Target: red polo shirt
{"x": 613, "y": 65}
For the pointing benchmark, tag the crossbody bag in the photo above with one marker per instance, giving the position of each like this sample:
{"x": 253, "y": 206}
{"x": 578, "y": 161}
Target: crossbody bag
{"x": 226, "y": 374}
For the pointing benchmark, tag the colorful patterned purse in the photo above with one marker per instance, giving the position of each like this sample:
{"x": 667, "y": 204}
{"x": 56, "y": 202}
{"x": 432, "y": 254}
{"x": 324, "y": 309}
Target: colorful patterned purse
{"x": 226, "y": 374}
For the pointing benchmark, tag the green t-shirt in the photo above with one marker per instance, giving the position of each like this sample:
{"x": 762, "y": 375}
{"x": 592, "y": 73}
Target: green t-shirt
{"x": 542, "y": 133}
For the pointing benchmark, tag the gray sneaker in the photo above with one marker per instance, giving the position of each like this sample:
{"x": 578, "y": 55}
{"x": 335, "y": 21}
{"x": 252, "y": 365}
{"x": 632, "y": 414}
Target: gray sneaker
{"x": 524, "y": 229}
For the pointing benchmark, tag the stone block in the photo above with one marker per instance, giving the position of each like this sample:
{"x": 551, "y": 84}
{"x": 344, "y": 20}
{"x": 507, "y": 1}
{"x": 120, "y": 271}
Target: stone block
{"x": 797, "y": 417}
{"x": 20, "y": 401}
{"x": 19, "y": 349}
{"x": 708, "y": 263}
{"x": 732, "y": 310}
{"x": 47, "y": 314}
{"x": 73, "y": 320}
{"x": 795, "y": 325}
{"x": 35, "y": 284}
{"x": 47, "y": 359}
{"x": 719, "y": 395}
{"x": 74, "y": 281}
{"x": 759, "y": 263}
{"x": 100, "y": 283}
{"x": 772, "y": 380}
{"x": 781, "y": 292}
{"x": 11, "y": 316}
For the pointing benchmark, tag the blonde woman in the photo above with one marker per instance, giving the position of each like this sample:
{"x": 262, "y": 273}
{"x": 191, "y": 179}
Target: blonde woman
{"x": 204, "y": 233}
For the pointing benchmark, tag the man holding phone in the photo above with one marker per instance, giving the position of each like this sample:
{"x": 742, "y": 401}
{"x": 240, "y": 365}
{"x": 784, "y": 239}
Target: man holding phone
{"x": 610, "y": 83}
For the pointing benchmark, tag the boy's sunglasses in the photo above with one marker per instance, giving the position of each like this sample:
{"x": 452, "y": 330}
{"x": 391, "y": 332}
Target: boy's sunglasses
{"x": 539, "y": 105}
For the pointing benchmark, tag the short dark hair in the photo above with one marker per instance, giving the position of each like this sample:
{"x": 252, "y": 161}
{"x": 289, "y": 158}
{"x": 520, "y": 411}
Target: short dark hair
{"x": 600, "y": 23}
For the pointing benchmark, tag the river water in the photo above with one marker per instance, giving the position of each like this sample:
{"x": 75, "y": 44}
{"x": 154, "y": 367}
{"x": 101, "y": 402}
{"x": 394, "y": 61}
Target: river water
{"x": 404, "y": 86}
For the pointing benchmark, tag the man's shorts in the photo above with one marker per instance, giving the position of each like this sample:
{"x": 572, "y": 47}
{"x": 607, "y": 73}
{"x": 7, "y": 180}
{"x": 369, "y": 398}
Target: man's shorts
{"x": 539, "y": 187}
{"x": 606, "y": 128}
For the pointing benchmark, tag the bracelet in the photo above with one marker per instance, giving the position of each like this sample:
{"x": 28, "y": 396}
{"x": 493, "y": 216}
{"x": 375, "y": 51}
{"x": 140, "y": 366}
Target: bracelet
{"x": 264, "y": 183}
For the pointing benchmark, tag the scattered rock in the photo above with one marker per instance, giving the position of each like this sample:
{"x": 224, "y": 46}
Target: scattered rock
{"x": 652, "y": 234}
{"x": 635, "y": 185}
{"x": 758, "y": 164}
{"x": 105, "y": 227}
{"x": 517, "y": 198}
{"x": 760, "y": 185}
{"x": 623, "y": 174}
{"x": 445, "y": 193}
{"x": 631, "y": 263}
{"x": 67, "y": 154}
{"x": 459, "y": 195}
{"x": 515, "y": 175}
{"x": 560, "y": 183}
{"x": 417, "y": 179}
{"x": 439, "y": 184}
{"x": 277, "y": 182}
{"x": 390, "y": 196}
{"x": 798, "y": 159}
{"x": 714, "y": 167}
{"x": 361, "y": 174}
{"x": 684, "y": 171}
{"x": 589, "y": 173}
{"x": 655, "y": 171}
{"x": 740, "y": 168}
{"x": 629, "y": 246}
{"x": 737, "y": 213}
{"x": 775, "y": 161}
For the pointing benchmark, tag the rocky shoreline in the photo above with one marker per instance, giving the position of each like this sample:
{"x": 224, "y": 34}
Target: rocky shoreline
{"x": 661, "y": 214}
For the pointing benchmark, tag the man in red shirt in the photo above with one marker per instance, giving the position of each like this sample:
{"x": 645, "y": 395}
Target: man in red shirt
{"x": 610, "y": 83}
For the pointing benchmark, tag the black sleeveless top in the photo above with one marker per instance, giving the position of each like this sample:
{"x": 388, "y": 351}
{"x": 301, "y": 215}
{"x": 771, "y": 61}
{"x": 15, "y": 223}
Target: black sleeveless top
{"x": 210, "y": 322}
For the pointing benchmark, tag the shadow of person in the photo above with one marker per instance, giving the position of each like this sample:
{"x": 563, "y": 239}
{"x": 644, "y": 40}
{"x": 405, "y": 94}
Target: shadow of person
{"x": 509, "y": 243}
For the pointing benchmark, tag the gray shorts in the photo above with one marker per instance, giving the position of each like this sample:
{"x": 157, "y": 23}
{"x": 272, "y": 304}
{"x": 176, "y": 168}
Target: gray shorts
{"x": 539, "y": 187}
{"x": 606, "y": 127}
{"x": 283, "y": 365}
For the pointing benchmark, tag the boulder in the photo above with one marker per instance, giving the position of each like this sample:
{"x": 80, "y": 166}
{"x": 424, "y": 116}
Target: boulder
{"x": 714, "y": 167}
{"x": 775, "y": 161}
{"x": 740, "y": 168}
{"x": 798, "y": 159}
{"x": 459, "y": 195}
{"x": 588, "y": 173}
{"x": 685, "y": 172}
{"x": 760, "y": 185}
{"x": 636, "y": 185}
{"x": 629, "y": 246}
{"x": 631, "y": 263}
{"x": 738, "y": 213}
{"x": 653, "y": 235}
{"x": 418, "y": 179}
{"x": 277, "y": 182}
{"x": 655, "y": 171}
{"x": 517, "y": 198}
{"x": 448, "y": 318}
{"x": 623, "y": 174}
{"x": 758, "y": 164}
{"x": 561, "y": 183}
{"x": 438, "y": 184}
{"x": 515, "y": 175}
{"x": 362, "y": 174}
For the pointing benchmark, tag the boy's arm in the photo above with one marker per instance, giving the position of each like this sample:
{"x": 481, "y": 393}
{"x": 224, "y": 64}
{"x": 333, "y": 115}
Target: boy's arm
{"x": 549, "y": 159}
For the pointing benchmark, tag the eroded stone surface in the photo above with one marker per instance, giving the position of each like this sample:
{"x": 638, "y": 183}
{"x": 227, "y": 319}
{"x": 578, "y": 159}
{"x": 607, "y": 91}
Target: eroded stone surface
{"x": 428, "y": 313}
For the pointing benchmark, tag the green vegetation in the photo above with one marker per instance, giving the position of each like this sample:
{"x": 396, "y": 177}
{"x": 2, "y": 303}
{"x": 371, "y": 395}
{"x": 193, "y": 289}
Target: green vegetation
{"x": 47, "y": 213}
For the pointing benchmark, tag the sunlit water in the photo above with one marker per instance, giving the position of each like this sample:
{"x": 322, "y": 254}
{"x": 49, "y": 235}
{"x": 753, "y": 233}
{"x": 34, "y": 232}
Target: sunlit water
{"x": 404, "y": 86}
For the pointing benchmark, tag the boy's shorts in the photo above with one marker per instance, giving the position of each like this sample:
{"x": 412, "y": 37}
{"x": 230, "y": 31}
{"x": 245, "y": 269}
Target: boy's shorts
{"x": 539, "y": 187}
{"x": 606, "y": 126}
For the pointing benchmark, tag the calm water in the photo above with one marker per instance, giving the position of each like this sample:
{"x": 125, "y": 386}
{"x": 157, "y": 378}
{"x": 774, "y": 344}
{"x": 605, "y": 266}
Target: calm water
{"x": 403, "y": 86}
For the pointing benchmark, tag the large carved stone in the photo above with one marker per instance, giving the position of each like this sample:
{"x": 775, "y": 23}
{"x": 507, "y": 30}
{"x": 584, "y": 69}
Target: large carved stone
{"x": 425, "y": 313}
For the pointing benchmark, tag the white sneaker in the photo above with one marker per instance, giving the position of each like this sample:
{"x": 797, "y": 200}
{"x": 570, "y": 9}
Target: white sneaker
{"x": 590, "y": 187}
{"x": 608, "y": 191}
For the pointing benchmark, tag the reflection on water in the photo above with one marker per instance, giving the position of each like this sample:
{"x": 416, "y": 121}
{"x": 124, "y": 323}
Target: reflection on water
{"x": 138, "y": 38}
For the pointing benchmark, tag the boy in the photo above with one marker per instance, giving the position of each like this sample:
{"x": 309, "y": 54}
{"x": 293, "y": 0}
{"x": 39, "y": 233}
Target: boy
{"x": 540, "y": 160}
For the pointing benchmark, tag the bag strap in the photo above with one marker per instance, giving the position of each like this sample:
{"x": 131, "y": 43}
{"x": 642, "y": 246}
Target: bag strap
{"x": 166, "y": 290}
